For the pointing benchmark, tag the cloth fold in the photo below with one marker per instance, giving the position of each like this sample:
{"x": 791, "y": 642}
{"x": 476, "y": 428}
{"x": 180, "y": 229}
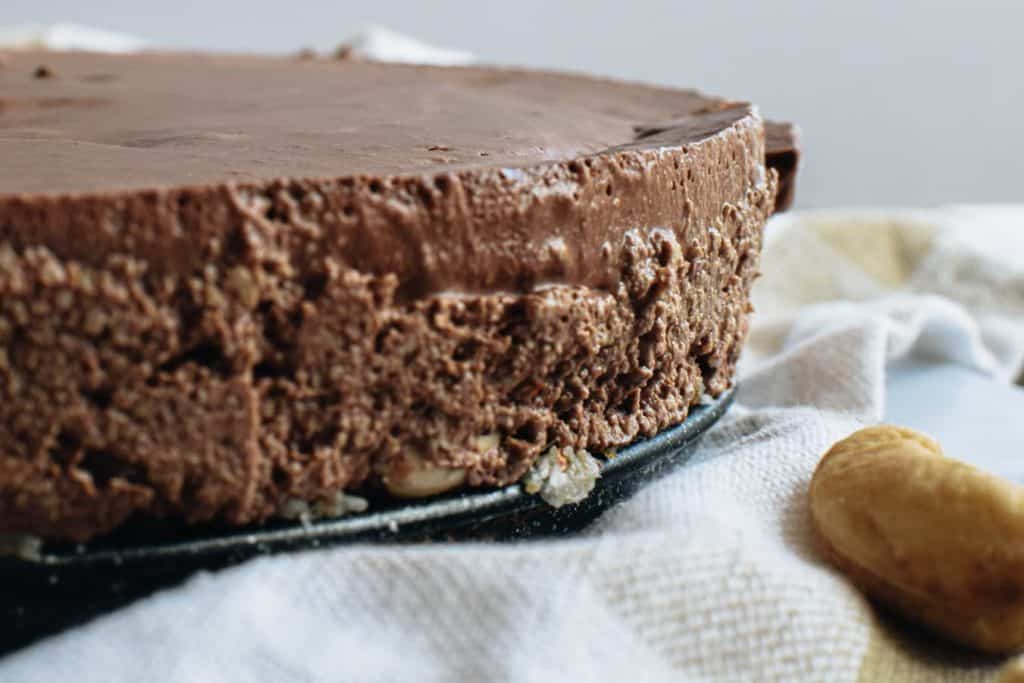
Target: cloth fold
{"x": 709, "y": 574}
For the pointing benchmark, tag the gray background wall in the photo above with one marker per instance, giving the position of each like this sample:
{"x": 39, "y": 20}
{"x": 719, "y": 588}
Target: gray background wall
{"x": 900, "y": 102}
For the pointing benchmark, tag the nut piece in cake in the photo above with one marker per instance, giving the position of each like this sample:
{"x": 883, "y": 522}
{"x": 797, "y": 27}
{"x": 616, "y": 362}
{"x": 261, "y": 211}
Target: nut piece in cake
{"x": 422, "y": 479}
{"x": 562, "y": 476}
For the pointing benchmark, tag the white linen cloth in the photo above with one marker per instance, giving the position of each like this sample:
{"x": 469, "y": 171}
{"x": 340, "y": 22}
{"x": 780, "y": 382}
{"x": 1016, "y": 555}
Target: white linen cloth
{"x": 67, "y": 36}
{"x": 709, "y": 574}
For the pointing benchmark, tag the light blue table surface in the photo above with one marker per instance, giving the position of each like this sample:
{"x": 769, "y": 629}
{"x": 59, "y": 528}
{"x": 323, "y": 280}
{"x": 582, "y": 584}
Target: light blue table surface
{"x": 975, "y": 418}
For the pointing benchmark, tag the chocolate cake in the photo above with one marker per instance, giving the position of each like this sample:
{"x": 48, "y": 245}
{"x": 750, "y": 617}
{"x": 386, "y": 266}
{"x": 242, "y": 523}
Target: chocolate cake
{"x": 229, "y": 283}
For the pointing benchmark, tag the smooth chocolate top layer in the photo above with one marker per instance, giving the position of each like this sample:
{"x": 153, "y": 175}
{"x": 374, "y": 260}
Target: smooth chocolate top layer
{"x": 77, "y": 122}
{"x": 450, "y": 179}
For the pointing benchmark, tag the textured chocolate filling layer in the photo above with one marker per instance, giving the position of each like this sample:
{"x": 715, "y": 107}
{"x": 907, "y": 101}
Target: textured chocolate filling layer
{"x": 183, "y": 334}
